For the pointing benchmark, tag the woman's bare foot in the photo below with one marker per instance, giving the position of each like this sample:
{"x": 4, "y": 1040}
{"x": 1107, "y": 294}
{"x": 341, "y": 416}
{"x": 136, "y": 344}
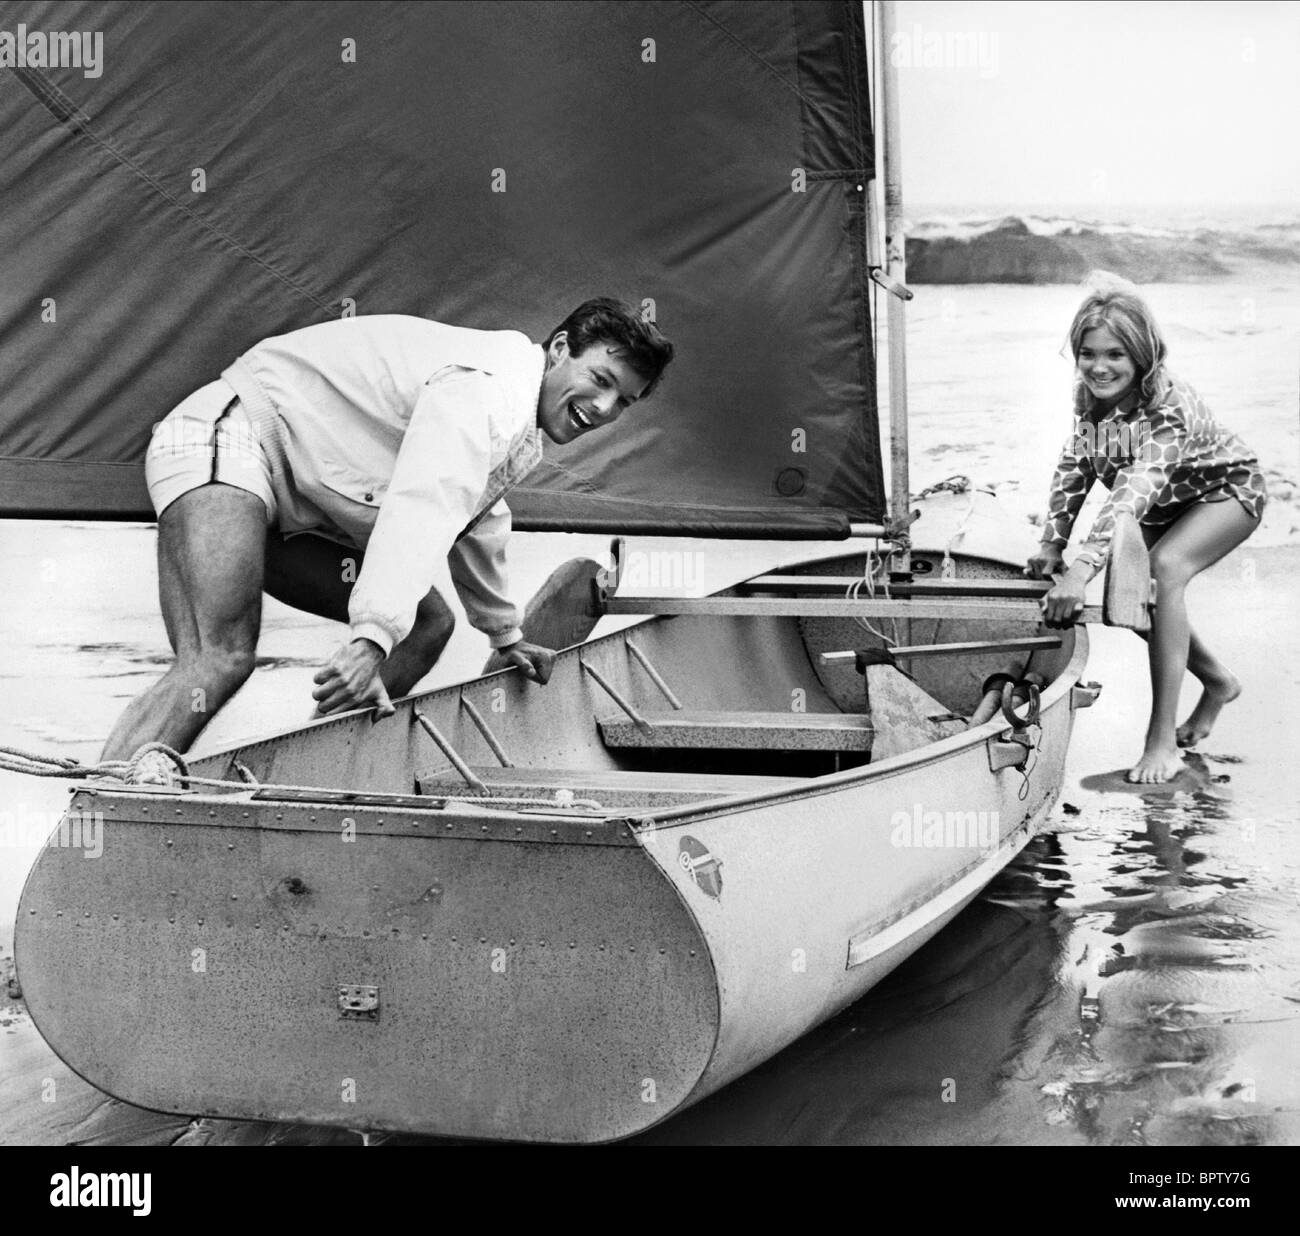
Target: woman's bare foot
{"x": 1206, "y": 712}
{"x": 1157, "y": 765}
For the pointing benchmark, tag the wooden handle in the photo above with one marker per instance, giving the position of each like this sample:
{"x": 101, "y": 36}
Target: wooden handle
{"x": 1128, "y": 595}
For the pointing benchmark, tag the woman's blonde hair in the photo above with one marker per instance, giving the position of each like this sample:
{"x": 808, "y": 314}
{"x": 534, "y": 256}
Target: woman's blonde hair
{"x": 1117, "y": 305}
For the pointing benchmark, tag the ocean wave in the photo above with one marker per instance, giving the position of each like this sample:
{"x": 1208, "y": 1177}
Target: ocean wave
{"x": 1041, "y": 249}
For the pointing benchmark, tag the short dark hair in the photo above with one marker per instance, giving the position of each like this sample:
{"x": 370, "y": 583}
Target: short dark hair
{"x": 617, "y": 325}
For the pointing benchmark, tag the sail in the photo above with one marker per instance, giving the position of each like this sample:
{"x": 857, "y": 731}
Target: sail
{"x": 224, "y": 173}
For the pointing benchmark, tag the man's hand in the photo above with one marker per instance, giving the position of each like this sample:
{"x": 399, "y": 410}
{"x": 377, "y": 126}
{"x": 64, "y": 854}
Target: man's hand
{"x": 531, "y": 660}
{"x": 351, "y": 679}
{"x": 1047, "y": 563}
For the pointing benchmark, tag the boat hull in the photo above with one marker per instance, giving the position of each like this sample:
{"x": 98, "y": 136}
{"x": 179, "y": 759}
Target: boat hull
{"x": 428, "y": 964}
{"x": 538, "y": 989}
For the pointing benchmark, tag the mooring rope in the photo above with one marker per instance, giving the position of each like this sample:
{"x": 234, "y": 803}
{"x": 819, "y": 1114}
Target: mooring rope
{"x": 36, "y": 764}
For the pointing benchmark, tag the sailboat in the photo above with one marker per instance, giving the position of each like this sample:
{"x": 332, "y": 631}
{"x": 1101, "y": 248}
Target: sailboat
{"x": 508, "y": 912}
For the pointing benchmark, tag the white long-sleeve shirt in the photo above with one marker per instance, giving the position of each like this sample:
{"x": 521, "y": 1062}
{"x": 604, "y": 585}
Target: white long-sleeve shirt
{"x": 400, "y": 436}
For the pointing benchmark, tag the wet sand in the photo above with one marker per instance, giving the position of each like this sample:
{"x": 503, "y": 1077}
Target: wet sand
{"x": 1132, "y": 978}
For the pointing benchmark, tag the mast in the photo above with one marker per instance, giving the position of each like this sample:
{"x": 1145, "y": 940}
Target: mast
{"x": 892, "y": 279}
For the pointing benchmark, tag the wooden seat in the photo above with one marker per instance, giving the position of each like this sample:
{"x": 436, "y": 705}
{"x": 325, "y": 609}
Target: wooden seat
{"x": 748, "y": 731}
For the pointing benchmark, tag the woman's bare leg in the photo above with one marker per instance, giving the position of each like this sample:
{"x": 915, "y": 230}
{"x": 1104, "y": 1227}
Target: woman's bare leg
{"x": 1196, "y": 541}
{"x": 1220, "y": 684}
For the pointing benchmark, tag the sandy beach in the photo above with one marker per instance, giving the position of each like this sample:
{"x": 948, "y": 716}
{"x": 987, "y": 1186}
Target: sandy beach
{"x": 1131, "y": 979}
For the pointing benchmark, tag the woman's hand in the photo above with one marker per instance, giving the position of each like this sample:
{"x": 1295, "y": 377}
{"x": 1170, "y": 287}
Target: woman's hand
{"x": 1064, "y": 603}
{"x": 1046, "y": 563}
{"x": 350, "y": 679}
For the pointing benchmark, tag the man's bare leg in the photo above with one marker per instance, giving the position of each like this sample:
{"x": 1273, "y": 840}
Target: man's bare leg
{"x": 316, "y": 575}
{"x": 211, "y": 543}
{"x": 1196, "y": 541}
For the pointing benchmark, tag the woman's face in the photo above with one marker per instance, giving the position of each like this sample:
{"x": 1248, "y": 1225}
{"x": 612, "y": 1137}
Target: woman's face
{"x": 1106, "y": 368}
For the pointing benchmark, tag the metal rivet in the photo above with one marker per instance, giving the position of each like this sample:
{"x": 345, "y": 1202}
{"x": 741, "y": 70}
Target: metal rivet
{"x": 200, "y": 922}
{"x": 662, "y": 951}
{"x": 573, "y": 944}
{"x": 172, "y": 919}
{"x": 482, "y": 939}
{"x": 588, "y": 832}
{"x": 212, "y": 814}
{"x": 168, "y": 841}
{"x": 33, "y": 912}
{"x": 87, "y": 915}
{"x": 234, "y": 896}
{"x": 115, "y": 917}
{"x": 230, "y": 846}
{"x": 57, "y": 913}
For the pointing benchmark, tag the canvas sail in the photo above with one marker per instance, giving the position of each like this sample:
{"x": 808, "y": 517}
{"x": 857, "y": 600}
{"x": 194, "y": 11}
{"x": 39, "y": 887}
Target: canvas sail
{"x": 235, "y": 171}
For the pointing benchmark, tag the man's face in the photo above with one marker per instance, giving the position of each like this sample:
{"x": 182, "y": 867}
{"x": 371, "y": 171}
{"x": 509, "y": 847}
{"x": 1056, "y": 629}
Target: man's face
{"x": 582, "y": 393}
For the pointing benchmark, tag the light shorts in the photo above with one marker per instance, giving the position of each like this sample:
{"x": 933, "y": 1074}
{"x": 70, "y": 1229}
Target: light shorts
{"x": 207, "y": 437}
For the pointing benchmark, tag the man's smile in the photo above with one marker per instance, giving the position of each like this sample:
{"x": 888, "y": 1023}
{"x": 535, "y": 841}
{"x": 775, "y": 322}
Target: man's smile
{"x": 582, "y": 420}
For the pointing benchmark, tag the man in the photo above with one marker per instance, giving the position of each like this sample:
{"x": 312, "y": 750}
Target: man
{"x": 365, "y": 450}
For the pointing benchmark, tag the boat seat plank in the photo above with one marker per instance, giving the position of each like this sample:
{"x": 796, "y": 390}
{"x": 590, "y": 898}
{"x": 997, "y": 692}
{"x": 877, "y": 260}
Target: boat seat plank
{"x": 750, "y": 731}
{"x": 1013, "y": 589}
{"x": 989, "y": 609}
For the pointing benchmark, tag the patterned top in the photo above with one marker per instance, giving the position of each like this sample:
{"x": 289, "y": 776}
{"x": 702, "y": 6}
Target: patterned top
{"x": 1157, "y": 462}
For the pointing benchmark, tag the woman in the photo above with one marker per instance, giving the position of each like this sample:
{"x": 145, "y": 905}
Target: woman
{"x": 1194, "y": 488}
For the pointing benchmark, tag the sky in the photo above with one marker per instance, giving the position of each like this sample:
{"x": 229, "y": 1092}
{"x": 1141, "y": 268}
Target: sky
{"x": 1037, "y": 102}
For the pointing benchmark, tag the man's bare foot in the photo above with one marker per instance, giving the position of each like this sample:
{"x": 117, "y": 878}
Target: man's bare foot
{"x": 1157, "y": 765}
{"x": 1206, "y": 712}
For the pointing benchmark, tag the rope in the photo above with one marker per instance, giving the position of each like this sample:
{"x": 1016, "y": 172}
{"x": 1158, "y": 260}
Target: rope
{"x": 875, "y": 563}
{"x": 13, "y": 759}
